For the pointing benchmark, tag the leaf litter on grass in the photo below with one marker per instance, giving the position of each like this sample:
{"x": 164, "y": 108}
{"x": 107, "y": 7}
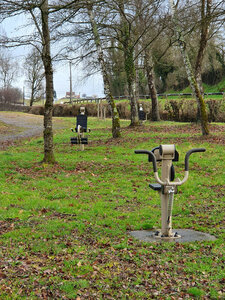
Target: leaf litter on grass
{"x": 78, "y": 248}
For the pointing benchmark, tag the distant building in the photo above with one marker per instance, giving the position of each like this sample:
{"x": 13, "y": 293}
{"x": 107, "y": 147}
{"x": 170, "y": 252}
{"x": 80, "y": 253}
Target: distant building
{"x": 73, "y": 95}
{"x": 68, "y": 95}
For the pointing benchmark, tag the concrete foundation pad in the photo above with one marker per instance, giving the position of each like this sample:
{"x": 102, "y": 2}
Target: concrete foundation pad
{"x": 186, "y": 235}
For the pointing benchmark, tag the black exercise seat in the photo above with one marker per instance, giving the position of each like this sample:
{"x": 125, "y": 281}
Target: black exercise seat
{"x": 75, "y": 140}
{"x": 155, "y": 186}
{"x": 82, "y": 121}
{"x": 142, "y": 115}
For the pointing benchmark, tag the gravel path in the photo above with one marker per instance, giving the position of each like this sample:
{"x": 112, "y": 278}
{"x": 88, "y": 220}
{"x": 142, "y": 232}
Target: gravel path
{"x": 22, "y": 125}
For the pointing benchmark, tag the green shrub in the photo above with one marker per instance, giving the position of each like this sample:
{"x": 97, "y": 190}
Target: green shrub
{"x": 37, "y": 110}
{"x": 123, "y": 109}
{"x": 216, "y": 110}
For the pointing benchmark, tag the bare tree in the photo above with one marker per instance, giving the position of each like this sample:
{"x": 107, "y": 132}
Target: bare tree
{"x": 204, "y": 27}
{"x": 112, "y": 26}
{"x": 145, "y": 16}
{"x": 128, "y": 47}
{"x": 39, "y": 12}
{"x": 149, "y": 67}
{"x": 190, "y": 73}
{"x": 8, "y": 70}
{"x": 107, "y": 89}
{"x": 10, "y": 95}
{"x": 35, "y": 74}
{"x": 140, "y": 25}
{"x": 117, "y": 29}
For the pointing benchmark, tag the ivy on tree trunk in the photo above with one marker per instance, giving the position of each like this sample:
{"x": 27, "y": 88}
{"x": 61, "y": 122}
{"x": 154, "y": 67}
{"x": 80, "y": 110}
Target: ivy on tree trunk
{"x": 128, "y": 51}
{"x": 151, "y": 86}
{"x": 131, "y": 81}
{"x": 205, "y": 22}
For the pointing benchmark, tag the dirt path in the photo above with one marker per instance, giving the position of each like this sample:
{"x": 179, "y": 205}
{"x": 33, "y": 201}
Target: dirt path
{"x": 15, "y": 126}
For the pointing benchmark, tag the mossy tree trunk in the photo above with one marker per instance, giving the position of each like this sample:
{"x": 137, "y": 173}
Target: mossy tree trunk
{"x": 205, "y": 22}
{"x": 190, "y": 74}
{"x": 115, "y": 115}
{"x": 47, "y": 61}
{"x": 128, "y": 50}
{"x": 148, "y": 62}
{"x": 151, "y": 86}
{"x": 129, "y": 64}
{"x": 132, "y": 88}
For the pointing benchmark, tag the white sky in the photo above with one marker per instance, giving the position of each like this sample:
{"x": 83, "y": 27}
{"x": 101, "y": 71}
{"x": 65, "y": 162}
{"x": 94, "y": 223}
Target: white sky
{"x": 91, "y": 86}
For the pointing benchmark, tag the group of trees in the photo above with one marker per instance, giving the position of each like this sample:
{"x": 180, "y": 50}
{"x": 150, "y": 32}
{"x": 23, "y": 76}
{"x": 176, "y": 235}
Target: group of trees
{"x": 136, "y": 44}
{"x": 8, "y": 72}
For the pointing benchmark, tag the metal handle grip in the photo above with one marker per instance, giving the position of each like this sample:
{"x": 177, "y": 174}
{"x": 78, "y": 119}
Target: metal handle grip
{"x": 188, "y": 155}
{"x": 151, "y": 157}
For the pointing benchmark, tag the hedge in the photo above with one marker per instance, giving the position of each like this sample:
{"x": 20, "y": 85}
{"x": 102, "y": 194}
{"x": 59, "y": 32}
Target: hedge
{"x": 183, "y": 110}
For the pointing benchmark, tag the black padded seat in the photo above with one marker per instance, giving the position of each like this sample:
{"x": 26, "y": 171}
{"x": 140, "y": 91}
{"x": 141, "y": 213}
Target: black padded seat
{"x": 142, "y": 115}
{"x": 155, "y": 186}
{"x": 84, "y": 141}
{"x": 75, "y": 140}
{"x": 82, "y": 121}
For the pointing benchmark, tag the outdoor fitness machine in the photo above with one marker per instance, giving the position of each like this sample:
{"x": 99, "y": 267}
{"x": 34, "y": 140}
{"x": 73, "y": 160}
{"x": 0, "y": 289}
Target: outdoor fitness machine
{"x": 141, "y": 114}
{"x": 167, "y": 185}
{"x": 81, "y": 128}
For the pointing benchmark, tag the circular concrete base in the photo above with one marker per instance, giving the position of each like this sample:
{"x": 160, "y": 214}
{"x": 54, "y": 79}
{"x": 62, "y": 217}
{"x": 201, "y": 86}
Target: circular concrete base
{"x": 186, "y": 235}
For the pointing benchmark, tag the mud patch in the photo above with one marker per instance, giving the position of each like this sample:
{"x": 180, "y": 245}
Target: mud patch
{"x": 7, "y": 225}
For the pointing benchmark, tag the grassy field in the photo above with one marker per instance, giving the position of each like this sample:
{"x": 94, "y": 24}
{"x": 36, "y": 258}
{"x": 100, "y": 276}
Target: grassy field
{"x": 64, "y": 229}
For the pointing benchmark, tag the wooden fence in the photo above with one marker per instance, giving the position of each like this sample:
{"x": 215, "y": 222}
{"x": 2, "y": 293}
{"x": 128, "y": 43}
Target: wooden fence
{"x": 97, "y": 100}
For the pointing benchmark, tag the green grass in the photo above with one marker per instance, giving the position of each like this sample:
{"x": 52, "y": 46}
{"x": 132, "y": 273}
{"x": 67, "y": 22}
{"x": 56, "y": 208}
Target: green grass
{"x": 65, "y": 228}
{"x": 219, "y": 87}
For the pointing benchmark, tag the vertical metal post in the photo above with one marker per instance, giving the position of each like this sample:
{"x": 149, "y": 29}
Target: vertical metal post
{"x": 23, "y": 95}
{"x": 82, "y": 145}
{"x": 101, "y": 110}
{"x": 71, "y": 81}
{"x": 166, "y": 227}
{"x": 98, "y": 108}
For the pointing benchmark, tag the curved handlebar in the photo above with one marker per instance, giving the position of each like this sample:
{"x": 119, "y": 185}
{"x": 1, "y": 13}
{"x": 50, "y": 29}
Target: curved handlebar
{"x": 151, "y": 157}
{"x": 188, "y": 155}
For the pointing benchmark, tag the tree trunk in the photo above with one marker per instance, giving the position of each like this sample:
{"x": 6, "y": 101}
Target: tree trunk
{"x": 31, "y": 101}
{"x": 115, "y": 115}
{"x": 133, "y": 104}
{"x": 136, "y": 66}
{"x": 47, "y": 61}
{"x": 205, "y": 21}
{"x": 131, "y": 81}
{"x": 190, "y": 74}
{"x": 151, "y": 86}
{"x": 32, "y": 94}
{"x": 128, "y": 51}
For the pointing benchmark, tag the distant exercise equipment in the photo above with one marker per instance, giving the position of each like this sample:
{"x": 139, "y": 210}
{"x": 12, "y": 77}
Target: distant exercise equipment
{"x": 81, "y": 128}
{"x": 141, "y": 113}
{"x": 167, "y": 185}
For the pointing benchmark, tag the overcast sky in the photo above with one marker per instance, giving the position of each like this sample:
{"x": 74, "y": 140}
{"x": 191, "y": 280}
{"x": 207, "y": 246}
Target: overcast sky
{"x": 90, "y": 86}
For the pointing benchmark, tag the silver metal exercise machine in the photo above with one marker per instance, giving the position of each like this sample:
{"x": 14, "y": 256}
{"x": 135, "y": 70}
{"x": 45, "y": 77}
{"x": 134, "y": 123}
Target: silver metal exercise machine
{"x": 167, "y": 185}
